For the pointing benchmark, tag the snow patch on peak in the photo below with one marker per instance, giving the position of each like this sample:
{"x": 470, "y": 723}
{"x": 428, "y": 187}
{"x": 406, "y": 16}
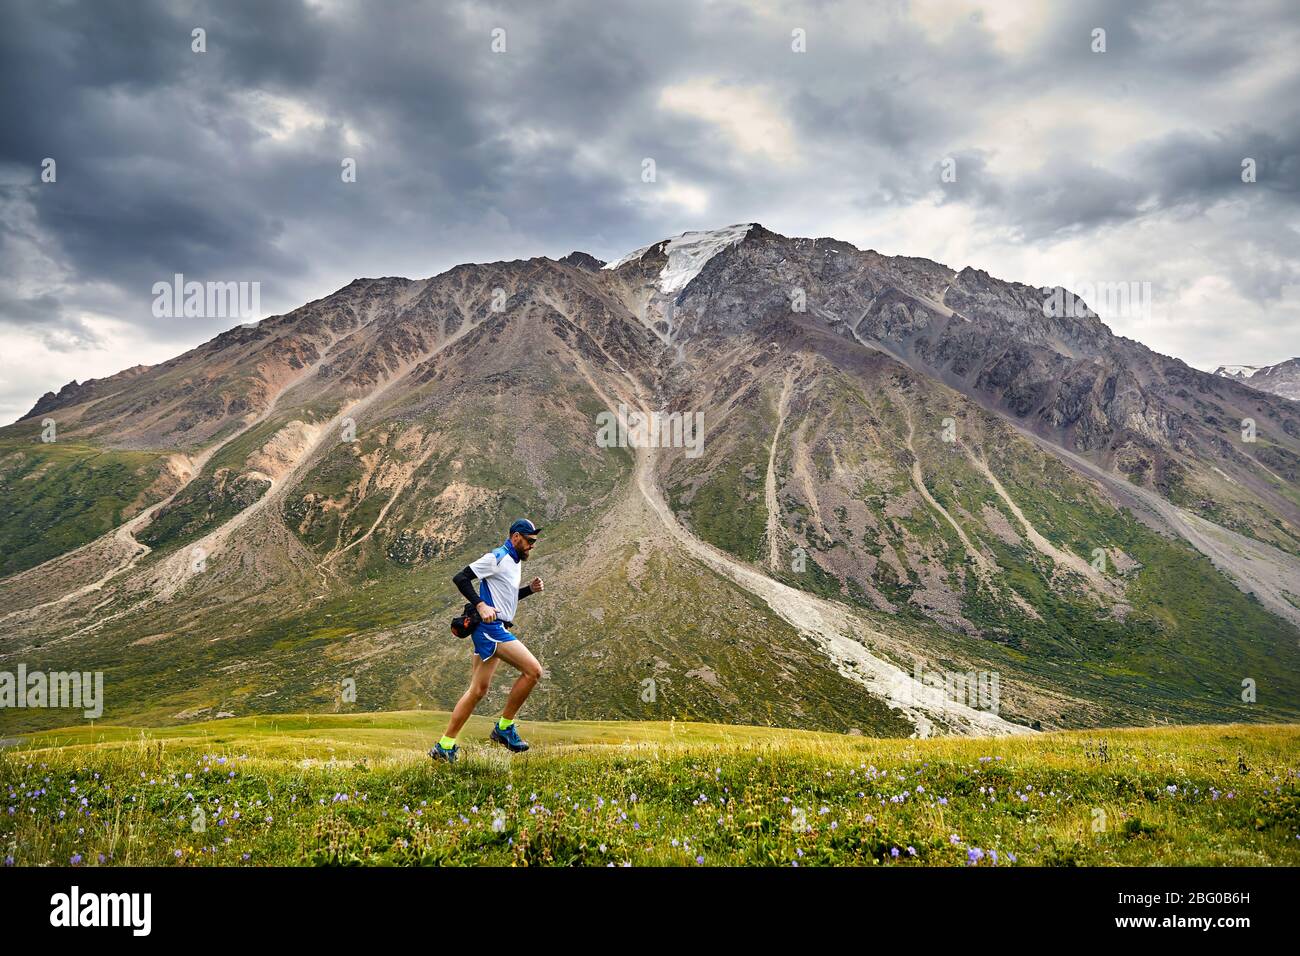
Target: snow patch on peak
{"x": 1236, "y": 371}
{"x": 688, "y": 254}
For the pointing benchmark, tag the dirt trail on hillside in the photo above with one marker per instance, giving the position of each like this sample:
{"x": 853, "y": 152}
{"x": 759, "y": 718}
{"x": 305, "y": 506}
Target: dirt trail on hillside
{"x": 176, "y": 570}
{"x": 123, "y": 536}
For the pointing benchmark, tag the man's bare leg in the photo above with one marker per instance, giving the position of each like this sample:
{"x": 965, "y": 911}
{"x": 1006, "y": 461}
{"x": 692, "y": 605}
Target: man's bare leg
{"x": 479, "y": 681}
{"x": 530, "y": 672}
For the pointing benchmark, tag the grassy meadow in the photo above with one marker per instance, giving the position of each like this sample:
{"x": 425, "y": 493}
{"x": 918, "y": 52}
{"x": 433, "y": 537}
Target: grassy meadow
{"x": 357, "y": 789}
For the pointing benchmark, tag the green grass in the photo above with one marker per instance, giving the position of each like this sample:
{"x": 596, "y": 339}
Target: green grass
{"x": 58, "y": 496}
{"x": 204, "y": 504}
{"x": 720, "y": 496}
{"x": 356, "y": 789}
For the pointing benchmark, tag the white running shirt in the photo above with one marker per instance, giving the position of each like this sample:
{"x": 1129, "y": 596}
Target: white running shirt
{"x": 498, "y": 573}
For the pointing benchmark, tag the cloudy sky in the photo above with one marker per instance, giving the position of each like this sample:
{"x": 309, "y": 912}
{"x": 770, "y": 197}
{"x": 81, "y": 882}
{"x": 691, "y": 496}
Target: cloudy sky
{"x": 1072, "y": 166}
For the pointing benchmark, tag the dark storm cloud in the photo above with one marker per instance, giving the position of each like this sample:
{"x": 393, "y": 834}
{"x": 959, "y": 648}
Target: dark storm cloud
{"x": 36, "y": 310}
{"x": 1198, "y": 168}
{"x": 1183, "y": 171}
{"x": 225, "y": 165}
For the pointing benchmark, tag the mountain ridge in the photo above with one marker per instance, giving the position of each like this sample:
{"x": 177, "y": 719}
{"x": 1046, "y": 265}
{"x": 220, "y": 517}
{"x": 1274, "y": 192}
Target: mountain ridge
{"x": 334, "y": 462}
{"x": 1280, "y": 379}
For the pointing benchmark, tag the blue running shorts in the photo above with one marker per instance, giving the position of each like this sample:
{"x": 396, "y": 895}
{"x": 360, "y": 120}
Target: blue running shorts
{"x": 486, "y": 637}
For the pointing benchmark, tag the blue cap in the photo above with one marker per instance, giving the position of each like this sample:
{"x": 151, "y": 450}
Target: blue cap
{"x": 524, "y": 526}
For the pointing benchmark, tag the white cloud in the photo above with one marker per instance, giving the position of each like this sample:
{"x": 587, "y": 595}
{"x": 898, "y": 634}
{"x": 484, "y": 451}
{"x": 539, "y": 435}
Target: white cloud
{"x": 1020, "y": 140}
{"x": 28, "y": 363}
{"x": 690, "y": 199}
{"x": 744, "y": 114}
{"x": 284, "y": 119}
{"x": 1014, "y": 25}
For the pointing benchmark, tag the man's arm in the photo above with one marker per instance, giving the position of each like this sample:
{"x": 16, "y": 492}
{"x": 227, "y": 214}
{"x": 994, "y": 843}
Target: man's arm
{"x": 531, "y": 588}
{"x": 464, "y": 581}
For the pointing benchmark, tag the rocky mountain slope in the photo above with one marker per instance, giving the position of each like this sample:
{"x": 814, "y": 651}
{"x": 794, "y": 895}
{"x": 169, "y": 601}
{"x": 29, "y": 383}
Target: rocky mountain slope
{"x": 1281, "y": 379}
{"x": 905, "y": 471}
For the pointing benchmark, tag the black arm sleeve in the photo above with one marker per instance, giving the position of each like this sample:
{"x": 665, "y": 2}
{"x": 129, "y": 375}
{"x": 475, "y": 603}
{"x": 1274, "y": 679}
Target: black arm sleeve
{"x": 524, "y": 591}
{"x": 464, "y": 584}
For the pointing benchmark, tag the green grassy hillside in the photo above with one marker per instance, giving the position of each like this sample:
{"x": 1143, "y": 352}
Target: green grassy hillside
{"x": 57, "y": 496}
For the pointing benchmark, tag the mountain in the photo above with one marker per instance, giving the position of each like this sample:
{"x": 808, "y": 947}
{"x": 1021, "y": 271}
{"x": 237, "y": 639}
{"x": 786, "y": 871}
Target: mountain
{"x": 1281, "y": 379}
{"x": 877, "y": 484}
{"x": 1239, "y": 372}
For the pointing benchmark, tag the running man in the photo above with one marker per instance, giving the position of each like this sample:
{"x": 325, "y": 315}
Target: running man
{"x": 498, "y": 574}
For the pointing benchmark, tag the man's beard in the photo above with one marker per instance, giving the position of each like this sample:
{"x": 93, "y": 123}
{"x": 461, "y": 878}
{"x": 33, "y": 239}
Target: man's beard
{"x": 523, "y": 555}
